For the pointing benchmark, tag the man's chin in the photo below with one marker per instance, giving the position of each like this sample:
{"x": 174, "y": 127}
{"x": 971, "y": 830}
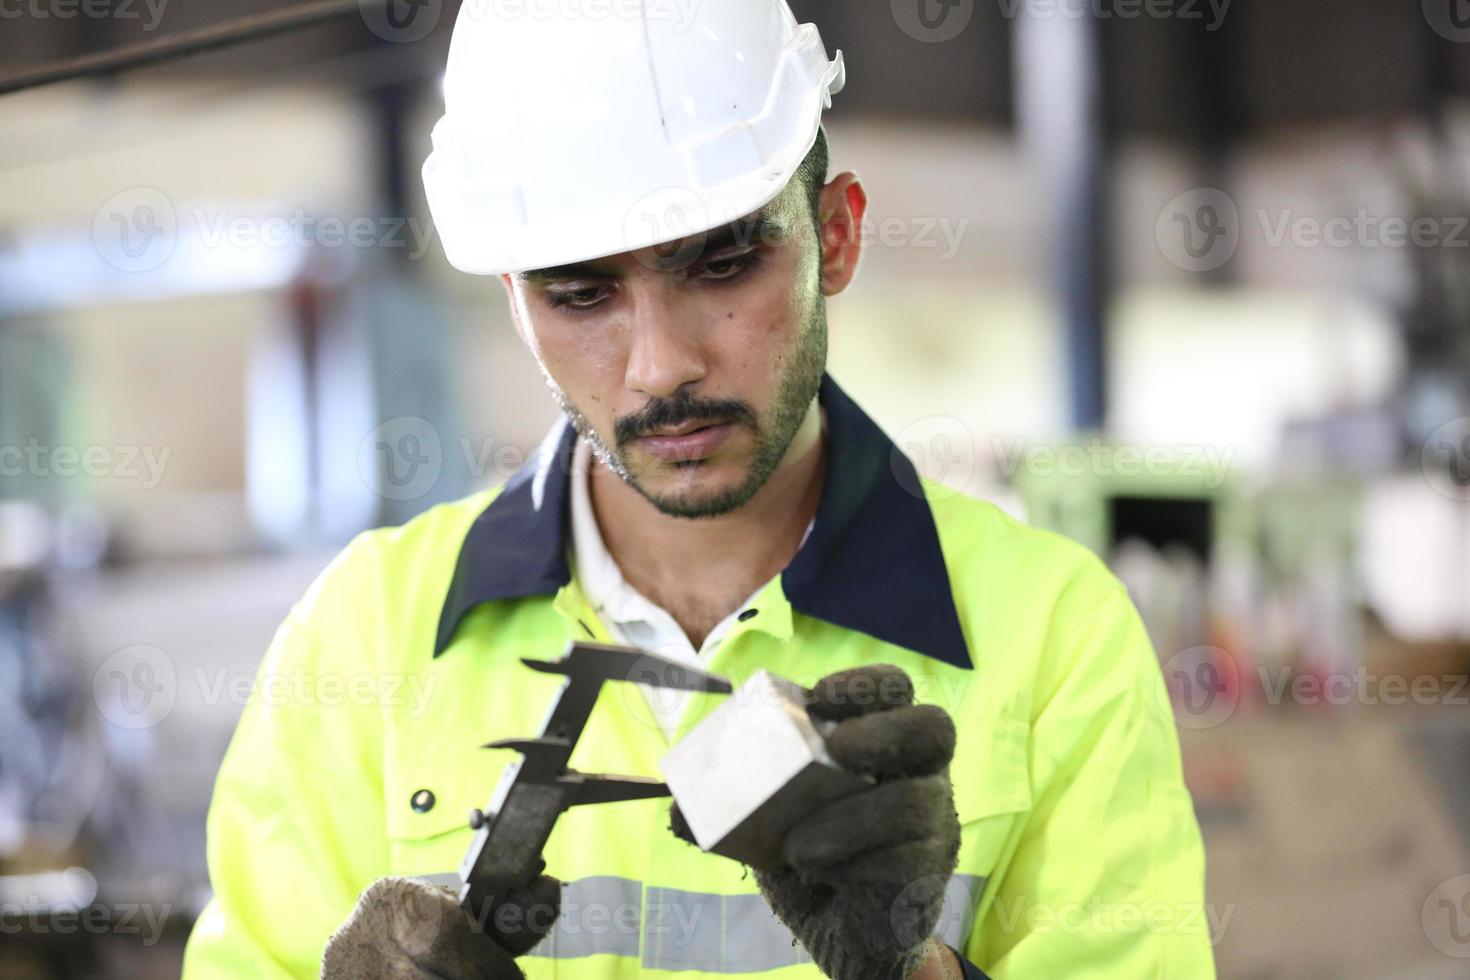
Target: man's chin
{"x": 698, "y": 489}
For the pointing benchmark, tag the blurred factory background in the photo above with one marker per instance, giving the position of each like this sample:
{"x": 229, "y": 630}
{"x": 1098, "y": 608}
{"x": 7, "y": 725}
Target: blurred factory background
{"x": 1187, "y": 280}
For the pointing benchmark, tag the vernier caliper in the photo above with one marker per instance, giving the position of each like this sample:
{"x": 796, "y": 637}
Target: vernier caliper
{"x": 535, "y": 790}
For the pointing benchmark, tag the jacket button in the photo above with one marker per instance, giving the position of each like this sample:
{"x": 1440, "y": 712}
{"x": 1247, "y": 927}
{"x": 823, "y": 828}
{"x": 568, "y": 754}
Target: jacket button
{"x": 422, "y": 801}
{"x": 747, "y": 614}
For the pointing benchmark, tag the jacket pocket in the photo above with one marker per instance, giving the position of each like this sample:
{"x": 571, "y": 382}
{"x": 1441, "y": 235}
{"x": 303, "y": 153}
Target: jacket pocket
{"x": 992, "y": 787}
{"x": 428, "y": 806}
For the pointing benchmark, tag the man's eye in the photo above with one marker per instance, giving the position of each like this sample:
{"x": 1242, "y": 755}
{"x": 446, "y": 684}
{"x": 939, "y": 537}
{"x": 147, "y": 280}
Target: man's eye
{"x": 728, "y": 267}
{"x": 582, "y": 298}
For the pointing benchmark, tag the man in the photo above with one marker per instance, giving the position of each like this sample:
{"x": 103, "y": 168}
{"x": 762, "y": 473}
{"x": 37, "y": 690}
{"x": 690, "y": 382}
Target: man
{"x": 654, "y": 199}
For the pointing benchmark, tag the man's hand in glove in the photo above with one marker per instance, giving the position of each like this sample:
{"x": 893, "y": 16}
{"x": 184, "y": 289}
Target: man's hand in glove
{"x": 406, "y": 929}
{"x": 862, "y": 881}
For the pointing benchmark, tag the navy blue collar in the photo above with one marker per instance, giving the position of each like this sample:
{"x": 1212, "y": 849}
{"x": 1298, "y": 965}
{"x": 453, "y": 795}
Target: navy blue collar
{"x": 872, "y": 562}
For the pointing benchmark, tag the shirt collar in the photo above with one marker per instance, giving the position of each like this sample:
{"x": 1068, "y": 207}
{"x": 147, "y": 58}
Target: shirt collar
{"x": 593, "y": 566}
{"x": 871, "y": 561}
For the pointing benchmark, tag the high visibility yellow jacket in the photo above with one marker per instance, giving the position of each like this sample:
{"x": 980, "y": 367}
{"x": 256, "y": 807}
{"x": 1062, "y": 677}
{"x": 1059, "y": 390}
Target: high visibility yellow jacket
{"x": 1080, "y": 857}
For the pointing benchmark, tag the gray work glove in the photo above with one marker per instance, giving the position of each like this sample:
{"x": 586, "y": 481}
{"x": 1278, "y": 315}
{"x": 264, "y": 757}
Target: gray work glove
{"x": 862, "y": 882}
{"x": 407, "y": 929}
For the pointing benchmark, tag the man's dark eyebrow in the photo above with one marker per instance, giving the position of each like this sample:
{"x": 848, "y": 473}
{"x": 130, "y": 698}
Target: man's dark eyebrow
{"x": 743, "y": 231}
{"x": 572, "y": 270}
{"x": 762, "y": 228}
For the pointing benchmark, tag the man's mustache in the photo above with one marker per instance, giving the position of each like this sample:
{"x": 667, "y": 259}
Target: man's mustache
{"x": 668, "y": 413}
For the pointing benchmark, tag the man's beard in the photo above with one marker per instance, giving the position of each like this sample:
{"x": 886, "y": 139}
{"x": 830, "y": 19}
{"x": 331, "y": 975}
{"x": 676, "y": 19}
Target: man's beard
{"x": 795, "y": 390}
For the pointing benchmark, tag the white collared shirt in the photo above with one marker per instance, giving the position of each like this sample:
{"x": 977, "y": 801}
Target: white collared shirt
{"x": 632, "y": 618}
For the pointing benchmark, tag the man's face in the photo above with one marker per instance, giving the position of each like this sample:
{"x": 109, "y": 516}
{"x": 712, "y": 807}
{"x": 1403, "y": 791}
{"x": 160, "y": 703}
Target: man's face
{"x": 689, "y": 366}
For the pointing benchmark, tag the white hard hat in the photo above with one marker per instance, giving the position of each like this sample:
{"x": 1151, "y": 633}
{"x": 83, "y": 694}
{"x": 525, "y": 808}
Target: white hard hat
{"x": 567, "y": 135}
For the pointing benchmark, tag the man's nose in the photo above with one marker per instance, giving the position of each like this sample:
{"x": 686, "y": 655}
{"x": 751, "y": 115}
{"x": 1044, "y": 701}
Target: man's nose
{"x": 666, "y": 346}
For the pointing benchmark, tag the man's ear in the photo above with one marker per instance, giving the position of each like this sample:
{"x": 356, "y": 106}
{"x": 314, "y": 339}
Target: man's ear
{"x": 841, "y": 206}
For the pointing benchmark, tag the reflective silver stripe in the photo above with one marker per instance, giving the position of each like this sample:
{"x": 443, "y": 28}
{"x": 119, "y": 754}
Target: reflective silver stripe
{"x": 601, "y": 914}
{"x": 682, "y": 930}
{"x": 961, "y": 902}
{"x": 715, "y": 933}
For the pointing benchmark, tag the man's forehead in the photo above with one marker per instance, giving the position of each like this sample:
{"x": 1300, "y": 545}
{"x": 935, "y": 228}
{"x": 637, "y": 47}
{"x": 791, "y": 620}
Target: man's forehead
{"x": 768, "y": 224}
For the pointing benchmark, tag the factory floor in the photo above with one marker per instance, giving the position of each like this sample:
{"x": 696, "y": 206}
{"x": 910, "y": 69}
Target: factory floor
{"x": 1338, "y": 841}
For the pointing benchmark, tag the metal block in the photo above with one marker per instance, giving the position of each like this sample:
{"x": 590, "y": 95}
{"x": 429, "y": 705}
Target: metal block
{"x": 758, "y": 764}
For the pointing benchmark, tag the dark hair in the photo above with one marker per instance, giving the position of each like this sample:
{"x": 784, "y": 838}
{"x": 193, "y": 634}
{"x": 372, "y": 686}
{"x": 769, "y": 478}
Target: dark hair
{"x": 812, "y": 172}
